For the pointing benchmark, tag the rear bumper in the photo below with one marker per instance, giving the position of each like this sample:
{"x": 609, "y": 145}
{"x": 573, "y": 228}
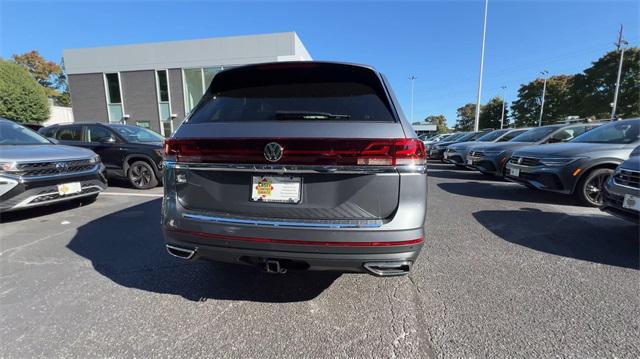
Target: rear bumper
{"x": 257, "y": 251}
{"x": 314, "y": 245}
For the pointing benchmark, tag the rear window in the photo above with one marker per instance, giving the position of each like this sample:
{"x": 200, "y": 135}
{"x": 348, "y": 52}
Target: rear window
{"x": 305, "y": 92}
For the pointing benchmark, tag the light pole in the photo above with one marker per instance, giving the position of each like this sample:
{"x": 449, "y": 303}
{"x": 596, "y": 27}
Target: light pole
{"x": 412, "y": 78}
{"x": 504, "y": 93}
{"x": 544, "y": 92}
{"x": 620, "y": 44}
{"x": 476, "y": 124}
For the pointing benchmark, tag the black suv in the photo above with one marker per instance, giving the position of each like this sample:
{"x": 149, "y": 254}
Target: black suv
{"x": 127, "y": 151}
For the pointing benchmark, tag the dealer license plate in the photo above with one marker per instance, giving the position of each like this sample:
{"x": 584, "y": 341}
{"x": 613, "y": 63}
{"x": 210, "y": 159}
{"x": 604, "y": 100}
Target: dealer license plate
{"x": 515, "y": 172}
{"x": 631, "y": 202}
{"x": 469, "y": 161}
{"x": 69, "y": 188}
{"x": 276, "y": 189}
{"x": 445, "y": 155}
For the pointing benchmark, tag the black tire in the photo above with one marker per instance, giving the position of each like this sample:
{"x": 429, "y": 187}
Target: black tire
{"x": 589, "y": 188}
{"x": 141, "y": 175}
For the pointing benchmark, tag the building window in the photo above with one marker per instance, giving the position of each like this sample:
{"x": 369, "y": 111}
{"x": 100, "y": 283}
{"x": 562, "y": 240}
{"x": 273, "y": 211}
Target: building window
{"x": 196, "y": 82}
{"x": 114, "y": 97}
{"x": 194, "y": 88}
{"x": 164, "y": 104}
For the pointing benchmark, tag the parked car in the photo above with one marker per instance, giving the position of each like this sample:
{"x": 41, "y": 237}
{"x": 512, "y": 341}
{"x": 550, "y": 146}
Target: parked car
{"x": 297, "y": 166}
{"x": 621, "y": 193}
{"x": 581, "y": 166}
{"x": 130, "y": 152}
{"x": 457, "y": 153}
{"x": 491, "y": 158}
{"x": 438, "y": 150}
{"x": 36, "y": 172}
{"x": 436, "y": 138}
{"x": 449, "y": 137}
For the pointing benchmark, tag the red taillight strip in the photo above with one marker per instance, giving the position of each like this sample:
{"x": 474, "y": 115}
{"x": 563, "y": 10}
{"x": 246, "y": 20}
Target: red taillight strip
{"x": 298, "y": 242}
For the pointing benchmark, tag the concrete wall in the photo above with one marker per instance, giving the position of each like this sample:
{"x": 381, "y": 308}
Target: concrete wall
{"x": 88, "y": 98}
{"x": 140, "y": 98}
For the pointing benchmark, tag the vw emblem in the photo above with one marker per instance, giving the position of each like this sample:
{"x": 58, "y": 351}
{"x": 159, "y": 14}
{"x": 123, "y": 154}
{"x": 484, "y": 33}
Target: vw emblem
{"x": 520, "y": 160}
{"x": 273, "y": 152}
{"x": 62, "y": 167}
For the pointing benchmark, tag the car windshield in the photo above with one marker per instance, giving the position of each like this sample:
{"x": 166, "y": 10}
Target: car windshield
{"x": 511, "y": 135}
{"x": 466, "y": 137}
{"x": 622, "y": 132}
{"x": 491, "y": 136}
{"x": 14, "y": 134}
{"x": 535, "y": 135}
{"x": 137, "y": 134}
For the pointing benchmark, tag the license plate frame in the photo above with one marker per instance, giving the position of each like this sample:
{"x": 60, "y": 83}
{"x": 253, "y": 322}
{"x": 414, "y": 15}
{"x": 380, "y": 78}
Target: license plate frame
{"x": 514, "y": 172}
{"x": 276, "y": 189}
{"x": 631, "y": 202}
{"x": 65, "y": 189}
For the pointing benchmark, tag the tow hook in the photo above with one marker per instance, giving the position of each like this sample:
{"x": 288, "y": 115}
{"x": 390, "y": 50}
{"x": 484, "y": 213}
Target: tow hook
{"x": 273, "y": 266}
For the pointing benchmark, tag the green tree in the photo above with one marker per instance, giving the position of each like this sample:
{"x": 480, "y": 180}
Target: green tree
{"x": 593, "y": 90}
{"x": 440, "y": 121}
{"x": 21, "y": 97}
{"x": 465, "y": 117}
{"x": 49, "y": 75}
{"x": 490, "y": 114}
{"x": 557, "y": 101}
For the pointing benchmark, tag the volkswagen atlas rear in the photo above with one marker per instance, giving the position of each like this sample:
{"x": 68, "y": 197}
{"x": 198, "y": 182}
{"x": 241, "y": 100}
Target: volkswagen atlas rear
{"x": 300, "y": 165}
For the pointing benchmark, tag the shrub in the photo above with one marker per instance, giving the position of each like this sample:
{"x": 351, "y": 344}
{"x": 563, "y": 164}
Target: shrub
{"x": 21, "y": 98}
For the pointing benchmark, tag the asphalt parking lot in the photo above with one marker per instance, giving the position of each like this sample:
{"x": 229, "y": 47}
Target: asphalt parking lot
{"x": 505, "y": 272}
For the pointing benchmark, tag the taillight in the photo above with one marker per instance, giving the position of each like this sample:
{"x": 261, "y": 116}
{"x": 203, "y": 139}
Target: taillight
{"x": 299, "y": 151}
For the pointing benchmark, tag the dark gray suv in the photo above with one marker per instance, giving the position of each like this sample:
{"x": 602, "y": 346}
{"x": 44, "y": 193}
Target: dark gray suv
{"x": 491, "y": 158}
{"x": 581, "y": 166}
{"x": 301, "y": 165}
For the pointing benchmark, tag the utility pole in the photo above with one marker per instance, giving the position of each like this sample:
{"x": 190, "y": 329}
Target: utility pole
{"x": 504, "y": 93}
{"x": 620, "y": 45}
{"x": 544, "y": 92}
{"x": 476, "y": 124}
{"x": 412, "y": 78}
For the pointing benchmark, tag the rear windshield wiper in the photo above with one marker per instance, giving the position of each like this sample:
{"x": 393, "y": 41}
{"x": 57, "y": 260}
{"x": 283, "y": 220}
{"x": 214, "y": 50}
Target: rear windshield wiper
{"x": 287, "y": 115}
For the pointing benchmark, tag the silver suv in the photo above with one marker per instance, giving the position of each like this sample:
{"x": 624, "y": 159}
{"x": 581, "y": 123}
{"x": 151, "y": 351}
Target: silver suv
{"x": 301, "y": 165}
{"x": 36, "y": 172}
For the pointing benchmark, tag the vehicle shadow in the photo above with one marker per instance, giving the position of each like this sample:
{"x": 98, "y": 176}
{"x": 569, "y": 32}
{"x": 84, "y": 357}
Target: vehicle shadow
{"x": 35, "y": 212}
{"x": 127, "y": 247}
{"x": 507, "y": 191}
{"x": 596, "y": 238}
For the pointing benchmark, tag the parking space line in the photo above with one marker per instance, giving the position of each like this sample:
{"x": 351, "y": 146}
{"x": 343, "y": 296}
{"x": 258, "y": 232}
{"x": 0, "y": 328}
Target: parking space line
{"x": 131, "y": 194}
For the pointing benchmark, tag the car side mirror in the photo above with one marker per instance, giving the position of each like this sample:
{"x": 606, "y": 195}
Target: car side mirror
{"x": 53, "y": 140}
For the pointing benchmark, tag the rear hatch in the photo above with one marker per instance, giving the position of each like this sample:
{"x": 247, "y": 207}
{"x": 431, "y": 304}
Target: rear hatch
{"x": 294, "y": 141}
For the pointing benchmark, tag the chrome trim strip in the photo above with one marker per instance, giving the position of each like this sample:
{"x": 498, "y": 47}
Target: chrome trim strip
{"x": 212, "y": 219}
{"x": 238, "y": 167}
{"x": 624, "y": 185}
{"x": 95, "y": 168}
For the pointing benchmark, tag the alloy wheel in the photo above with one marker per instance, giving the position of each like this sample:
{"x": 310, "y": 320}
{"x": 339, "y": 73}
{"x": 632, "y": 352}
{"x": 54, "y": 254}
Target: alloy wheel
{"x": 593, "y": 188}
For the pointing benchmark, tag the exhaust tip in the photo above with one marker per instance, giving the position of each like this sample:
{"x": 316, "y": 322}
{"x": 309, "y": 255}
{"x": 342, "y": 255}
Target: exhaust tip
{"x": 182, "y": 253}
{"x": 388, "y": 269}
